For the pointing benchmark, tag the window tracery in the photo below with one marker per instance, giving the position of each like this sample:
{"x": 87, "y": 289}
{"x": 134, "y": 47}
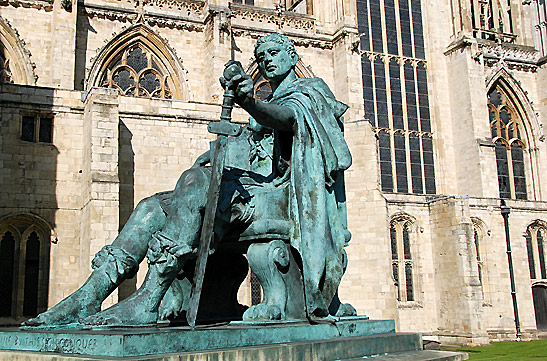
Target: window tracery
{"x": 24, "y": 266}
{"x": 492, "y": 20}
{"x": 136, "y": 71}
{"x": 402, "y": 262}
{"x": 535, "y": 246}
{"x": 395, "y": 92}
{"x": 507, "y": 132}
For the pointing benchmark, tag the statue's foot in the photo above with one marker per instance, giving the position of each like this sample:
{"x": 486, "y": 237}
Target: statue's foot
{"x": 262, "y": 312}
{"x": 125, "y": 313}
{"x": 140, "y": 309}
{"x": 69, "y": 310}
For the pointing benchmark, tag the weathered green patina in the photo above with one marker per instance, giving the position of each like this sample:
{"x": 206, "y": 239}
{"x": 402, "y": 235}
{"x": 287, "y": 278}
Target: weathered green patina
{"x": 278, "y": 195}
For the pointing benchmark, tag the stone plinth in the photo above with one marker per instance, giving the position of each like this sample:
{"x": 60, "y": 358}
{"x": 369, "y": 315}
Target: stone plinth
{"x": 344, "y": 339}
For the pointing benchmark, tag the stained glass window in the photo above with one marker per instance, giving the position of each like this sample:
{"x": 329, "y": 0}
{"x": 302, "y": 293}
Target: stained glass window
{"x": 136, "y": 71}
{"x": 395, "y": 93}
{"x": 535, "y": 247}
{"x": 530, "y": 251}
{"x": 24, "y": 267}
{"x": 262, "y": 88}
{"x": 506, "y": 130}
{"x": 32, "y": 265}
{"x": 401, "y": 259}
{"x": 7, "y": 254}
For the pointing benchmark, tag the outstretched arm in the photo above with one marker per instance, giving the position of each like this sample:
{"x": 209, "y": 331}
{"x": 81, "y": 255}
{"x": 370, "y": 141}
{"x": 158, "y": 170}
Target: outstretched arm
{"x": 271, "y": 115}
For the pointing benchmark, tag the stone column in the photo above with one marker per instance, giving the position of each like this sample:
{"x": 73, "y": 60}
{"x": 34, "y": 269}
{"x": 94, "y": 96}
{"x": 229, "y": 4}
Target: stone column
{"x": 459, "y": 296}
{"x": 100, "y": 183}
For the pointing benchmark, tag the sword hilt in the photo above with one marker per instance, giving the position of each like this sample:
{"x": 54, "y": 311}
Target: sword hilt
{"x": 225, "y": 126}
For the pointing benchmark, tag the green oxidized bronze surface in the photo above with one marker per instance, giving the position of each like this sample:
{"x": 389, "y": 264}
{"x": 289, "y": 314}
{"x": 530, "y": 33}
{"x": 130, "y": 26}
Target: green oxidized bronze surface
{"x": 273, "y": 190}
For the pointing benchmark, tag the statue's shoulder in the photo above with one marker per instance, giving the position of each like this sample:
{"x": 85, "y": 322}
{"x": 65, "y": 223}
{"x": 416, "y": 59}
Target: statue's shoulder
{"x": 310, "y": 83}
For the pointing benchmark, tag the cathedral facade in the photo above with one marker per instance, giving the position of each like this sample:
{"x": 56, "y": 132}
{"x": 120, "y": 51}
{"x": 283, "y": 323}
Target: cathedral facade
{"x": 105, "y": 102}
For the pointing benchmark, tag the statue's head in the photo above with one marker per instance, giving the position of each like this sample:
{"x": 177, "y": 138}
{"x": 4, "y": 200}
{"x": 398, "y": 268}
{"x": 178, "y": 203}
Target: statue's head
{"x": 276, "y": 56}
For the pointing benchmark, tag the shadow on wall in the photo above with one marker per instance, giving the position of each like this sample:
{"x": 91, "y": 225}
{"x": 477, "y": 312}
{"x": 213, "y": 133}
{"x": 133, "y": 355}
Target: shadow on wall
{"x": 126, "y": 173}
{"x": 83, "y": 28}
{"x": 28, "y": 201}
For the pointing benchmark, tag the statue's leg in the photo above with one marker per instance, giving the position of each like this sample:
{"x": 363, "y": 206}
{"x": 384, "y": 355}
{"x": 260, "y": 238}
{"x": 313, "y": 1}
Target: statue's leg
{"x": 168, "y": 251}
{"x": 112, "y": 265}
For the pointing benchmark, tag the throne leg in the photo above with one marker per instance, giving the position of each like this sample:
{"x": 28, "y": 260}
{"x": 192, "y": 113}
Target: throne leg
{"x": 281, "y": 281}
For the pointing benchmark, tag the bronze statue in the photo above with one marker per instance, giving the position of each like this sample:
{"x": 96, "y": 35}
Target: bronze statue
{"x": 281, "y": 199}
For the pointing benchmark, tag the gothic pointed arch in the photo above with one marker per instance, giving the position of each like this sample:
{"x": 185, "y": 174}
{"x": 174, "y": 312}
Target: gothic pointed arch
{"x": 403, "y": 230}
{"x": 503, "y": 78}
{"x": 15, "y": 64}
{"x": 515, "y": 132}
{"x": 25, "y": 241}
{"x": 138, "y": 62}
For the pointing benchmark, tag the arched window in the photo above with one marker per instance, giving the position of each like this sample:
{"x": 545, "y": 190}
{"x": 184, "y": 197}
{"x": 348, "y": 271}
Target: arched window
{"x": 402, "y": 262}
{"x": 535, "y": 247}
{"x": 7, "y": 266}
{"x": 136, "y": 71}
{"x": 477, "y": 242}
{"x": 535, "y": 237}
{"x": 5, "y": 72}
{"x": 507, "y": 132}
{"x": 15, "y": 64}
{"x": 262, "y": 87}
{"x": 24, "y": 266}
{"x": 138, "y": 62}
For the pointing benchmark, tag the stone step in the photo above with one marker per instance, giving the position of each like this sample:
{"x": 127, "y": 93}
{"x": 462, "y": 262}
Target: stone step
{"x": 425, "y": 355}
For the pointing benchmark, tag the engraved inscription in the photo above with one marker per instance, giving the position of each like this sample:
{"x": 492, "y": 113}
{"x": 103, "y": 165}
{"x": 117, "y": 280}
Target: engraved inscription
{"x": 41, "y": 343}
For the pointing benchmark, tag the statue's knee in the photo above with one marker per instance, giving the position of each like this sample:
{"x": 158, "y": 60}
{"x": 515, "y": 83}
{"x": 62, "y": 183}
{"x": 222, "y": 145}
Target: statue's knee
{"x": 148, "y": 205}
{"x": 191, "y": 178}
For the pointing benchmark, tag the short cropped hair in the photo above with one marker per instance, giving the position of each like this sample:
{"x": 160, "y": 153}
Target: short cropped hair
{"x": 277, "y": 38}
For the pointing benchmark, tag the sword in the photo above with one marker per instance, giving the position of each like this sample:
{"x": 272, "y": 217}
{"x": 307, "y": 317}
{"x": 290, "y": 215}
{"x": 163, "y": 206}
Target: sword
{"x": 223, "y": 128}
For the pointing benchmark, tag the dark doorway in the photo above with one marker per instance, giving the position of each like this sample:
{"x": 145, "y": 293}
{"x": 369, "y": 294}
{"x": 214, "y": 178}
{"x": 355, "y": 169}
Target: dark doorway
{"x": 539, "y": 293}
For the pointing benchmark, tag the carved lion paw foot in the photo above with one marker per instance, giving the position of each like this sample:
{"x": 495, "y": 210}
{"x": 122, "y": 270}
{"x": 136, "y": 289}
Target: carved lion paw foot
{"x": 262, "y": 312}
{"x": 346, "y": 310}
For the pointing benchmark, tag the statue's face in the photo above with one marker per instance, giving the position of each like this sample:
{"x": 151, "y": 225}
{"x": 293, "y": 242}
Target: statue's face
{"x": 274, "y": 61}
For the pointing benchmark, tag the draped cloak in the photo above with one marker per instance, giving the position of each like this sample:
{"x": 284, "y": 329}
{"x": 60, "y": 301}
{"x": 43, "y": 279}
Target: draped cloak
{"x": 319, "y": 155}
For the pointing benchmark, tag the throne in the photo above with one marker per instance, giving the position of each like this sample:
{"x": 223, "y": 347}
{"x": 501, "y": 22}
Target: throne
{"x": 258, "y": 226}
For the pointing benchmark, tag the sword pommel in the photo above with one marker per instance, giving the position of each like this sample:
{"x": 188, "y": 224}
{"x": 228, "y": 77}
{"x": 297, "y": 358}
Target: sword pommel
{"x": 225, "y": 126}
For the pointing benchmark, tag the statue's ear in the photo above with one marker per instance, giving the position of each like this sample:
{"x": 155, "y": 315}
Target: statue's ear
{"x": 294, "y": 59}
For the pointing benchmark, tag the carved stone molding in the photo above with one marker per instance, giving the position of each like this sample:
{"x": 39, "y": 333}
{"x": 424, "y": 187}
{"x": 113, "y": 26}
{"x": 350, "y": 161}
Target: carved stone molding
{"x": 240, "y": 31}
{"x": 281, "y": 18}
{"x": 517, "y": 57}
{"x": 191, "y": 8}
{"x": 120, "y": 15}
{"x": 46, "y": 5}
{"x": 23, "y": 68}
{"x": 174, "y": 23}
{"x": 133, "y": 16}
